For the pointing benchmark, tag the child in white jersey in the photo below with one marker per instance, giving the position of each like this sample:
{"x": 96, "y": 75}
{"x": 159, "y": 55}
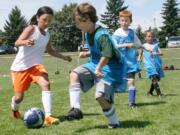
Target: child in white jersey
{"x": 27, "y": 67}
{"x": 127, "y": 41}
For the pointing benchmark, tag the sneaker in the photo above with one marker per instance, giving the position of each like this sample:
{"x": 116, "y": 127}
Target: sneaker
{"x": 16, "y": 114}
{"x": 113, "y": 126}
{"x": 51, "y": 120}
{"x": 74, "y": 113}
{"x": 132, "y": 105}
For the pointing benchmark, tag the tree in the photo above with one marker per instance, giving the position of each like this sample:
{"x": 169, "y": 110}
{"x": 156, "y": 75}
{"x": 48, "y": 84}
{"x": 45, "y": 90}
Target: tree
{"x": 14, "y": 26}
{"x": 171, "y": 21}
{"x": 140, "y": 33}
{"x": 111, "y": 17}
{"x": 65, "y": 36}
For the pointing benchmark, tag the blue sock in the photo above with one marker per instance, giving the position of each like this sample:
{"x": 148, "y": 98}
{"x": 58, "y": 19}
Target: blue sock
{"x": 132, "y": 95}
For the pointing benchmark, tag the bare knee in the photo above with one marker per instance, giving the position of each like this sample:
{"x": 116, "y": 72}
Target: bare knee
{"x": 19, "y": 98}
{"x": 74, "y": 78}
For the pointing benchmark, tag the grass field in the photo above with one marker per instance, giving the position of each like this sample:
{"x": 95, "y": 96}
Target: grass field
{"x": 157, "y": 116}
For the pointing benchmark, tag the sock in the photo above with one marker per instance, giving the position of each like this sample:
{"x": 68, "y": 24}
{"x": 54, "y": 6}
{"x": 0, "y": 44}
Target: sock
{"x": 151, "y": 88}
{"x": 111, "y": 115}
{"x": 14, "y": 105}
{"x": 157, "y": 88}
{"x": 132, "y": 94}
{"x": 74, "y": 93}
{"x": 46, "y": 100}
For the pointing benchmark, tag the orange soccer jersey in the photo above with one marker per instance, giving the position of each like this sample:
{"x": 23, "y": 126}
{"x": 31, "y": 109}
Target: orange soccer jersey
{"x": 22, "y": 79}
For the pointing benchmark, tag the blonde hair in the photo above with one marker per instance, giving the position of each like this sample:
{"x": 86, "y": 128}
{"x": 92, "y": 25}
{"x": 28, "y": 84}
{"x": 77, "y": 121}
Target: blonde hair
{"x": 149, "y": 31}
{"x": 126, "y": 13}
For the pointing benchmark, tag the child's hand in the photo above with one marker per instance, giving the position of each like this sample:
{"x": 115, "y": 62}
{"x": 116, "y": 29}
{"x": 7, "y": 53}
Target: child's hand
{"x": 29, "y": 42}
{"x": 99, "y": 73}
{"x": 68, "y": 58}
{"x": 129, "y": 45}
{"x": 154, "y": 53}
{"x": 82, "y": 55}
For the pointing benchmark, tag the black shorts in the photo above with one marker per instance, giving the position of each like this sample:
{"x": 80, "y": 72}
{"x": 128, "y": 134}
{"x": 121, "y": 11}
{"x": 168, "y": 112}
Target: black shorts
{"x": 155, "y": 77}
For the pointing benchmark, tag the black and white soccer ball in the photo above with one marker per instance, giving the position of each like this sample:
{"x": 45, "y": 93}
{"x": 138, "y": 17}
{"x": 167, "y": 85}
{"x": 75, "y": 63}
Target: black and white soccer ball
{"x": 34, "y": 118}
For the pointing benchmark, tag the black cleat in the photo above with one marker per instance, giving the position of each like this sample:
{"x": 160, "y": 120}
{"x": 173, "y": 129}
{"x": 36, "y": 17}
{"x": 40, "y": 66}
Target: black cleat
{"x": 74, "y": 114}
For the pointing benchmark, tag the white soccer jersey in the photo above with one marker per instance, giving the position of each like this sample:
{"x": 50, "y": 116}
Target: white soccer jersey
{"x": 30, "y": 56}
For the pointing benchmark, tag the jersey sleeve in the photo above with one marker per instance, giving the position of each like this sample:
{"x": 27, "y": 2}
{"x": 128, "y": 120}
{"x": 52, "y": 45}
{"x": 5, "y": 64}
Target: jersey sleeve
{"x": 107, "y": 47}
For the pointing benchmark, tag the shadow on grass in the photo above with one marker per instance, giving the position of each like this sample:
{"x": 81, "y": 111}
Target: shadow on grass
{"x": 171, "y": 95}
{"x": 124, "y": 124}
{"x": 150, "y": 103}
{"x": 63, "y": 118}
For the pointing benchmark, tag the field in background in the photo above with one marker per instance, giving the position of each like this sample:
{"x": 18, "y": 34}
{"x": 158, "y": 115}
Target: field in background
{"x": 157, "y": 116}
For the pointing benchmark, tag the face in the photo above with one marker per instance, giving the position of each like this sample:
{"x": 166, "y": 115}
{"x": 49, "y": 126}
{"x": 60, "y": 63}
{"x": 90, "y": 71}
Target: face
{"x": 149, "y": 37}
{"x": 44, "y": 21}
{"x": 124, "y": 22}
{"x": 83, "y": 24}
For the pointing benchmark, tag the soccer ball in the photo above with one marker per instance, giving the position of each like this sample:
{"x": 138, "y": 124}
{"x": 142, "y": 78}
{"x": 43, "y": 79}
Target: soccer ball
{"x": 34, "y": 118}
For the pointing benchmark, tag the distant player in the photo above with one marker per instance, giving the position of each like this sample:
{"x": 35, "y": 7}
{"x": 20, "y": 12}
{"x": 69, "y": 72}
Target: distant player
{"x": 127, "y": 41}
{"x": 104, "y": 70}
{"x": 27, "y": 67}
{"x": 152, "y": 62}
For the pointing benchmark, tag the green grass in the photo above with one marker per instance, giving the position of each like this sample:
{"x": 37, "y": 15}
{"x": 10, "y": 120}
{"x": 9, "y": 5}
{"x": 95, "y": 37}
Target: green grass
{"x": 157, "y": 116}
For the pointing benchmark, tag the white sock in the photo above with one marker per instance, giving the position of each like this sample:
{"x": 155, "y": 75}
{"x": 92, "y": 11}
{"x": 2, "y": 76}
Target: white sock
{"x": 74, "y": 93}
{"x": 14, "y": 105}
{"x": 111, "y": 115}
{"x": 46, "y": 100}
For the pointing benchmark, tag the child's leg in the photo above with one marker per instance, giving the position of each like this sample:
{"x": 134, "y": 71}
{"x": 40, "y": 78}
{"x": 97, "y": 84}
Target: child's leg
{"x": 16, "y": 100}
{"x": 74, "y": 90}
{"x": 83, "y": 75}
{"x": 104, "y": 95}
{"x": 131, "y": 89}
{"x": 132, "y": 93}
{"x": 43, "y": 81}
{"x": 15, "y": 103}
{"x": 156, "y": 86}
{"x": 150, "y": 92}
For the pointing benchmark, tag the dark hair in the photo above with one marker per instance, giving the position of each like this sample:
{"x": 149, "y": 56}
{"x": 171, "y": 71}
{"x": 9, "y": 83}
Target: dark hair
{"x": 84, "y": 11}
{"x": 41, "y": 11}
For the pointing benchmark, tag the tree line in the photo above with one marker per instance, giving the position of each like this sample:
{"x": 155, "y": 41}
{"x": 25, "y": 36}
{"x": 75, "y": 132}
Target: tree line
{"x": 66, "y": 37}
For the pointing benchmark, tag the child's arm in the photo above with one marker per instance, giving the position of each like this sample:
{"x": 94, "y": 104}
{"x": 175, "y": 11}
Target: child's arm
{"x": 159, "y": 52}
{"x": 103, "y": 61}
{"x": 54, "y": 53}
{"x": 23, "y": 38}
{"x": 84, "y": 54}
{"x": 140, "y": 55}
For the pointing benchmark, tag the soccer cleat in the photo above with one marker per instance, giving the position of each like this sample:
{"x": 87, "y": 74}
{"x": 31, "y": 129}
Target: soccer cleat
{"x": 16, "y": 114}
{"x": 74, "y": 113}
{"x": 51, "y": 120}
{"x": 113, "y": 126}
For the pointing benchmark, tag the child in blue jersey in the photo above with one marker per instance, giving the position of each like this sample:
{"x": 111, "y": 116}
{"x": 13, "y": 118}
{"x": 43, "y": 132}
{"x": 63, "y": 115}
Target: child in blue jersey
{"x": 127, "y": 43}
{"x": 104, "y": 70}
{"x": 152, "y": 62}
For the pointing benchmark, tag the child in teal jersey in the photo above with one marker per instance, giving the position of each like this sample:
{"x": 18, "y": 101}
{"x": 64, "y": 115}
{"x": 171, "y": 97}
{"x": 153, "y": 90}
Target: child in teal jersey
{"x": 127, "y": 43}
{"x": 104, "y": 69}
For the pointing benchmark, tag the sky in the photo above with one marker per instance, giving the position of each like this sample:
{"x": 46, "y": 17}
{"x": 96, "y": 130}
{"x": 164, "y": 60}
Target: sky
{"x": 146, "y": 13}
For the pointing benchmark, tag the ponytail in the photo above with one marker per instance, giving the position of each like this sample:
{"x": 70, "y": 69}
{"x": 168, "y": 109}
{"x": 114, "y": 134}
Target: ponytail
{"x": 33, "y": 20}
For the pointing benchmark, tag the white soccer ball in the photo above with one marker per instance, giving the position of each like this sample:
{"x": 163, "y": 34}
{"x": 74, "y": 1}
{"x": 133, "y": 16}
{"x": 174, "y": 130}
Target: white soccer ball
{"x": 34, "y": 118}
